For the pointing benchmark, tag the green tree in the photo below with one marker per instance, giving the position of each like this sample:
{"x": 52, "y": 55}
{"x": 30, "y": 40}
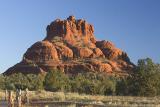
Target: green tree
{"x": 56, "y": 81}
{"x": 36, "y": 81}
{"x": 93, "y": 83}
{"x": 146, "y": 78}
{"x": 23, "y": 81}
{"x": 2, "y": 82}
{"x": 17, "y": 81}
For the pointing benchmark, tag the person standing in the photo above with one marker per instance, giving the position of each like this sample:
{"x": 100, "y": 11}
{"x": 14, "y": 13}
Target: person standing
{"x": 26, "y": 96}
{"x": 10, "y": 99}
{"x": 18, "y": 97}
{"x": 6, "y": 94}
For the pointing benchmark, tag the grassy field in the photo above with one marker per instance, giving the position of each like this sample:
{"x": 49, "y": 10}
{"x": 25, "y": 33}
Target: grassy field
{"x": 112, "y": 101}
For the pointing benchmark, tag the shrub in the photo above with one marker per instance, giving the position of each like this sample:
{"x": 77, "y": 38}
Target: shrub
{"x": 56, "y": 81}
{"x": 146, "y": 79}
{"x": 2, "y": 82}
{"x": 21, "y": 81}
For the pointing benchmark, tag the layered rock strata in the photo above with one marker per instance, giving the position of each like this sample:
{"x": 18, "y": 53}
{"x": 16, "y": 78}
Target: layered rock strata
{"x": 71, "y": 46}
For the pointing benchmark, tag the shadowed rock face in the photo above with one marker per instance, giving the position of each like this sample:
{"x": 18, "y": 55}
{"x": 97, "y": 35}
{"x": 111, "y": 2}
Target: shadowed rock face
{"x": 70, "y": 46}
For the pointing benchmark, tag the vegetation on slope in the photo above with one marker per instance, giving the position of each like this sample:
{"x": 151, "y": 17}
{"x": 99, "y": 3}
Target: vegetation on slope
{"x": 144, "y": 81}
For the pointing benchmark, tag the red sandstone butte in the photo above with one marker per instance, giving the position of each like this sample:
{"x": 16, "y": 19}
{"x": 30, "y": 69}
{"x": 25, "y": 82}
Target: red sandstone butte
{"x": 71, "y": 46}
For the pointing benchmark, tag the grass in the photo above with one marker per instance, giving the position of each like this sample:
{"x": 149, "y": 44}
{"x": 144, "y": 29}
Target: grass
{"x": 44, "y": 96}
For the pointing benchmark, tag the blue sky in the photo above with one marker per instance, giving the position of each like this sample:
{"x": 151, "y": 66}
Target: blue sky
{"x": 133, "y": 25}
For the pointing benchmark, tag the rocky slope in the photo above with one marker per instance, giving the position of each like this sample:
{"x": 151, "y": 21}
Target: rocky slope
{"x": 71, "y": 46}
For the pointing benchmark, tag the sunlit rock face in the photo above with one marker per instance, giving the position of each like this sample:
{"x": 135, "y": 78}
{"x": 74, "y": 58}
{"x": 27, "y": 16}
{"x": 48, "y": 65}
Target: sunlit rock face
{"x": 71, "y": 46}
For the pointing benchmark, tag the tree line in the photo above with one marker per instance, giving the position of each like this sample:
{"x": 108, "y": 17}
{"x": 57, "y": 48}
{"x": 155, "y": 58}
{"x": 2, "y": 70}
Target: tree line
{"x": 144, "y": 81}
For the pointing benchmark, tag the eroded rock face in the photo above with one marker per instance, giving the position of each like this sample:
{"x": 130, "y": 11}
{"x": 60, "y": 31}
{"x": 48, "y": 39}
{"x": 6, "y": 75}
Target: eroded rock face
{"x": 97, "y": 53}
{"x": 41, "y": 52}
{"x": 71, "y": 30}
{"x": 70, "y": 46}
{"x": 85, "y": 52}
{"x": 64, "y": 52}
{"x": 110, "y": 51}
